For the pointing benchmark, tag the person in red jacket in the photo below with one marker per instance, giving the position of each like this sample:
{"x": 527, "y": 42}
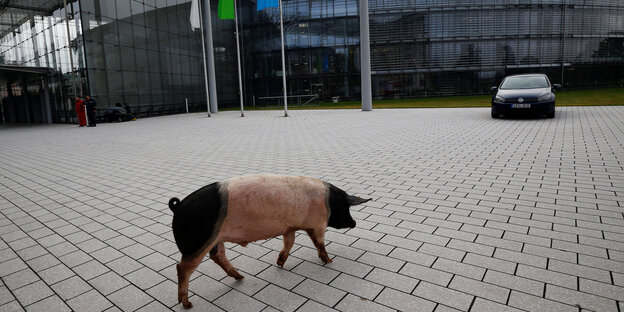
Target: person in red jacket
{"x": 80, "y": 111}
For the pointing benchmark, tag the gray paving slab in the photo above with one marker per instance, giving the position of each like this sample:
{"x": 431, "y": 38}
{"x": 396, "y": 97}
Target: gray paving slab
{"x": 468, "y": 212}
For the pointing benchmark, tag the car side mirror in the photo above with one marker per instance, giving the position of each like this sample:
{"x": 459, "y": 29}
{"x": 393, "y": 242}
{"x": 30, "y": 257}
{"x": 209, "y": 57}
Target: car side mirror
{"x": 494, "y": 89}
{"x": 557, "y": 86}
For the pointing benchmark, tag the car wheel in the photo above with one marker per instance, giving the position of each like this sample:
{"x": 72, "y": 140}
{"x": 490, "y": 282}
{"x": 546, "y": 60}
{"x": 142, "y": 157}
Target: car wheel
{"x": 119, "y": 119}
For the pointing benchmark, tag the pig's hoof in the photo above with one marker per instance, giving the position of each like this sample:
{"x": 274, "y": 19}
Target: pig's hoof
{"x": 186, "y": 304}
{"x": 281, "y": 260}
{"x": 238, "y": 277}
{"x": 326, "y": 259}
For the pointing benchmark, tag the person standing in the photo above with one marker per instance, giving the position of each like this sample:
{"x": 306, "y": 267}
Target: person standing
{"x": 80, "y": 111}
{"x": 90, "y": 103}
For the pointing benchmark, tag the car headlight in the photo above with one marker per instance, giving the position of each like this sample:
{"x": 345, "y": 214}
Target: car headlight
{"x": 545, "y": 97}
{"x": 499, "y": 99}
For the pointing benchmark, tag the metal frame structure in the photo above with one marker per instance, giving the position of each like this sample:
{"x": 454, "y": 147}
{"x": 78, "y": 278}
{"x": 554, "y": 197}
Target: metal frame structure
{"x": 14, "y": 13}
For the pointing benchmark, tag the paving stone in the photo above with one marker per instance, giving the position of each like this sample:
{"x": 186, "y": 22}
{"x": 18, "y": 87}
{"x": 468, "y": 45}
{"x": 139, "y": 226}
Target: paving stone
{"x": 479, "y": 289}
{"x": 459, "y": 268}
{"x": 485, "y": 305}
{"x": 124, "y": 265}
{"x": 413, "y": 256}
{"x": 249, "y": 265}
{"x": 514, "y": 282}
{"x": 355, "y": 303}
{"x": 20, "y": 278}
{"x": 316, "y": 272}
{"x": 490, "y": 263}
{"x": 537, "y": 303}
{"x": 11, "y": 266}
{"x": 56, "y": 274}
{"x": 319, "y": 292}
{"x": 156, "y": 306}
{"x": 53, "y": 303}
{"x": 71, "y": 287}
{"x": 313, "y": 306}
{"x": 394, "y": 280}
{"x": 32, "y": 293}
{"x": 427, "y": 274}
{"x": 108, "y": 283}
{"x": 5, "y": 295}
{"x": 144, "y": 278}
{"x": 281, "y": 277}
{"x": 90, "y": 269}
{"x": 443, "y": 295}
{"x": 579, "y": 270}
{"x": 584, "y": 300}
{"x": 352, "y": 267}
{"x": 403, "y": 301}
{"x": 602, "y": 289}
{"x": 237, "y": 301}
{"x": 12, "y": 306}
{"x": 357, "y": 286}
{"x": 279, "y": 298}
{"x": 520, "y": 198}
{"x": 249, "y": 285}
{"x": 129, "y": 298}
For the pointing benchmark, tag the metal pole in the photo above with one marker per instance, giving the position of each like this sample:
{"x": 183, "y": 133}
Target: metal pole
{"x": 214, "y": 106}
{"x": 283, "y": 62}
{"x": 2, "y": 110}
{"x": 71, "y": 57}
{"x": 240, "y": 76}
{"x": 367, "y": 96}
{"x": 201, "y": 27}
{"x": 563, "y": 25}
{"x": 186, "y": 101}
{"x": 77, "y": 32}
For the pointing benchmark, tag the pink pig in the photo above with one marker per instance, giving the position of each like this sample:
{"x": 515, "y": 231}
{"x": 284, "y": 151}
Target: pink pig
{"x": 251, "y": 208}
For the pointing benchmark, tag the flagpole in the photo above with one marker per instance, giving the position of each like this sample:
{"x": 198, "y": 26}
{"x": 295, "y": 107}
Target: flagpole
{"x": 283, "y": 62}
{"x": 201, "y": 27}
{"x": 240, "y": 76}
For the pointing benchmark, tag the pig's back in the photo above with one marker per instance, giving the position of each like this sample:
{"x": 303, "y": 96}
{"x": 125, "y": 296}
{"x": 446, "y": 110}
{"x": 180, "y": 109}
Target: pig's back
{"x": 264, "y": 206}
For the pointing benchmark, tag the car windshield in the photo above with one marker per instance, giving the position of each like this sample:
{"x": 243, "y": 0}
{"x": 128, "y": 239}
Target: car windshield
{"x": 524, "y": 83}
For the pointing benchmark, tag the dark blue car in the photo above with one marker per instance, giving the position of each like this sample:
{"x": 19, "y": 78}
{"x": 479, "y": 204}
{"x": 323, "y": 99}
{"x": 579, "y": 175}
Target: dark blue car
{"x": 529, "y": 93}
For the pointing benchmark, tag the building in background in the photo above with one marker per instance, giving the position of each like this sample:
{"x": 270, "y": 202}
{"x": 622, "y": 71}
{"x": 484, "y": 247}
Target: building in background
{"x": 143, "y": 52}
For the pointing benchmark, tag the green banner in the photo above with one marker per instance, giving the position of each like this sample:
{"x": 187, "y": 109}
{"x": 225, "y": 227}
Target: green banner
{"x": 226, "y": 9}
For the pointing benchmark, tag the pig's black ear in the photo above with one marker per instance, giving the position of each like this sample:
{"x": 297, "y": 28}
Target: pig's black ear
{"x": 354, "y": 200}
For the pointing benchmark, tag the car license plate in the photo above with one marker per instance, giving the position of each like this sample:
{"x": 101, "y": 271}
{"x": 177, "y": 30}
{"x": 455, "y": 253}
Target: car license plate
{"x": 520, "y": 105}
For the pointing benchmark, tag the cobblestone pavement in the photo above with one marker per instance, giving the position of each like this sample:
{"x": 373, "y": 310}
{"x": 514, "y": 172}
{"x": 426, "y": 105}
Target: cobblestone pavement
{"x": 469, "y": 212}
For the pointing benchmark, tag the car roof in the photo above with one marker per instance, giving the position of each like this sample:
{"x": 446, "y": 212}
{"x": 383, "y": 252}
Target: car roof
{"x": 527, "y": 75}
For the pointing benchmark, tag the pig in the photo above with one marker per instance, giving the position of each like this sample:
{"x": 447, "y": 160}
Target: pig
{"x": 251, "y": 208}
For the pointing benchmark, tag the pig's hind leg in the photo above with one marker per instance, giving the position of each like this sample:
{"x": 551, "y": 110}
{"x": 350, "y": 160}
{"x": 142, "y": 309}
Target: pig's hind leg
{"x": 289, "y": 240}
{"x": 318, "y": 238}
{"x": 217, "y": 254}
{"x": 185, "y": 268}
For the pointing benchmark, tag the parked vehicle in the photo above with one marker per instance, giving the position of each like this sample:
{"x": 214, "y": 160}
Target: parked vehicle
{"x": 117, "y": 114}
{"x": 528, "y": 93}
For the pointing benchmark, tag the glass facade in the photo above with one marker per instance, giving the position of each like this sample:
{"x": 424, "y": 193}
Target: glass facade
{"x": 441, "y": 47}
{"x": 143, "y": 52}
{"x": 432, "y": 47}
{"x": 42, "y": 40}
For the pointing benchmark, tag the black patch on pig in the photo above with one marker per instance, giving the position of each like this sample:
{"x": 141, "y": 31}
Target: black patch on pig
{"x": 338, "y": 202}
{"x": 197, "y": 219}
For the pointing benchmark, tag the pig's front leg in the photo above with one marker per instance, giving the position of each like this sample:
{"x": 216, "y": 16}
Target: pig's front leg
{"x": 318, "y": 238}
{"x": 289, "y": 240}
